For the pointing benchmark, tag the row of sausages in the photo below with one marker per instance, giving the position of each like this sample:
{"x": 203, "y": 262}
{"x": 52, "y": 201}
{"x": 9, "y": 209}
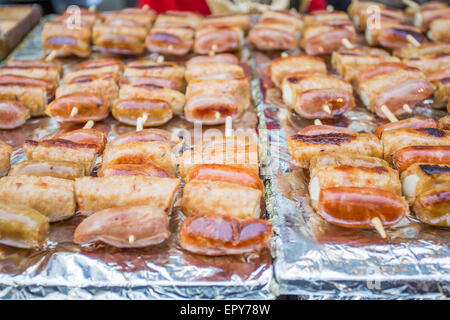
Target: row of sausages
{"x": 129, "y": 203}
{"x": 217, "y": 88}
{"x": 323, "y": 32}
{"x": 131, "y": 30}
{"x": 381, "y": 81}
{"x": 352, "y": 180}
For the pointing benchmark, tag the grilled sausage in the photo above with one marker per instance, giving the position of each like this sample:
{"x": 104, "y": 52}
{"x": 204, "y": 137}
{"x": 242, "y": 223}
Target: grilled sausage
{"x": 355, "y": 207}
{"x": 53, "y": 197}
{"x": 324, "y": 39}
{"x": 85, "y": 136}
{"x": 145, "y": 136}
{"x": 405, "y": 157}
{"x": 413, "y": 122}
{"x": 90, "y": 107}
{"x": 32, "y": 97}
{"x": 129, "y": 110}
{"x": 315, "y": 130}
{"x": 12, "y": 114}
{"x": 41, "y": 168}
{"x": 279, "y": 68}
{"x": 218, "y": 39}
{"x": 420, "y": 177}
{"x": 216, "y": 235}
{"x": 433, "y": 206}
{"x": 95, "y": 194}
{"x": 103, "y": 68}
{"x": 309, "y": 93}
{"x": 62, "y": 150}
{"x": 394, "y": 140}
{"x": 240, "y": 20}
{"x": 22, "y": 227}
{"x": 155, "y": 152}
{"x": 125, "y": 227}
{"x": 176, "y": 41}
{"x": 119, "y": 37}
{"x": 221, "y": 57}
{"x": 26, "y": 79}
{"x": 303, "y": 148}
{"x": 59, "y": 37}
{"x": 327, "y": 176}
{"x": 211, "y": 101}
{"x": 231, "y": 174}
{"x": 174, "y": 98}
{"x": 219, "y": 197}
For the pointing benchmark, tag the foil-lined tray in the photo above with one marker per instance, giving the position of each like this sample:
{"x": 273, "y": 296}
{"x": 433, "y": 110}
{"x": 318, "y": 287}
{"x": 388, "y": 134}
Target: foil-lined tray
{"x": 317, "y": 260}
{"x": 66, "y": 270}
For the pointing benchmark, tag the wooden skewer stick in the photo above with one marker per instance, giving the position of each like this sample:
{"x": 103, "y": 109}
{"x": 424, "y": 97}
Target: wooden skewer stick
{"x": 388, "y": 113}
{"x": 410, "y": 3}
{"x": 376, "y": 222}
{"x": 74, "y": 112}
{"x": 89, "y": 125}
{"x": 160, "y": 59}
{"x": 140, "y": 121}
{"x": 347, "y": 43}
{"x": 317, "y": 122}
{"x": 407, "y": 108}
{"x": 284, "y": 54}
{"x": 330, "y": 7}
{"x": 131, "y": 239}
{"x": 228, "y": 126}
{"x": 412, "y": 40}
{"x": 51, "y": 56}
{"x": 92, "y": 8}
{"x": 326, "y": 108}
{"x": 213, "y": 50}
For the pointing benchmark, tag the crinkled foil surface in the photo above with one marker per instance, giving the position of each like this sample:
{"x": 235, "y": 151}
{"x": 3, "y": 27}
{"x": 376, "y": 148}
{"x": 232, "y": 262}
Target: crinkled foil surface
{"x": 317, "y": 260}
{"x": 65, "y": 270}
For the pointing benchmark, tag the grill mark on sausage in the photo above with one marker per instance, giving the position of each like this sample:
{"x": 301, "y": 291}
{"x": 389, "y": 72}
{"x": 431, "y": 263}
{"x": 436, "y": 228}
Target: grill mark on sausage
{"x": 330, "y": 138}
{"x": 431, "y": 169}
{"x": 432, "y": 132}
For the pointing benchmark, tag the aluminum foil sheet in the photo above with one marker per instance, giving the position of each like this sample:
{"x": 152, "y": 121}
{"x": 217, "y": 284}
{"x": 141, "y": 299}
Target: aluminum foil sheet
{"x": 65, "y": 270}
{"x": 317, "y": 260}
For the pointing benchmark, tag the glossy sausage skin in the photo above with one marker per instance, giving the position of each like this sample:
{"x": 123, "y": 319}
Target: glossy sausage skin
{"x": 408, "y": 92}
{"x": 12, "y": 114}
{"x": 395, "y": 37}
{"x": 145, "y": 136}
{"x": 125, "y": 227}
{"x": 408, "y": 156}
{"x": 85, "y": 136}
{"x": 147, "y": 169}
{"x": 310, "y": 103}
{"x": 413, "y": 122}
{"x": 40, "y": 168}
{"x": 433, "y": 206}
{"x": 217, "y": 235}
{"x": 53, "y": 197}
{"x": 343, "y": 159}
{"x": 129, "y": 110}
{"x": 18, "y": 79}
{"x": 212, "y": 109}
{"x": 222, "y": 57}
{"x": 203, "y": 196}
{"x": 231, "y": 174}
{"x": 394, "y": 140}
{"x": 355, "y": 207}
{"x": 90, "y": 107}
{"x": 22, "y": 227}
